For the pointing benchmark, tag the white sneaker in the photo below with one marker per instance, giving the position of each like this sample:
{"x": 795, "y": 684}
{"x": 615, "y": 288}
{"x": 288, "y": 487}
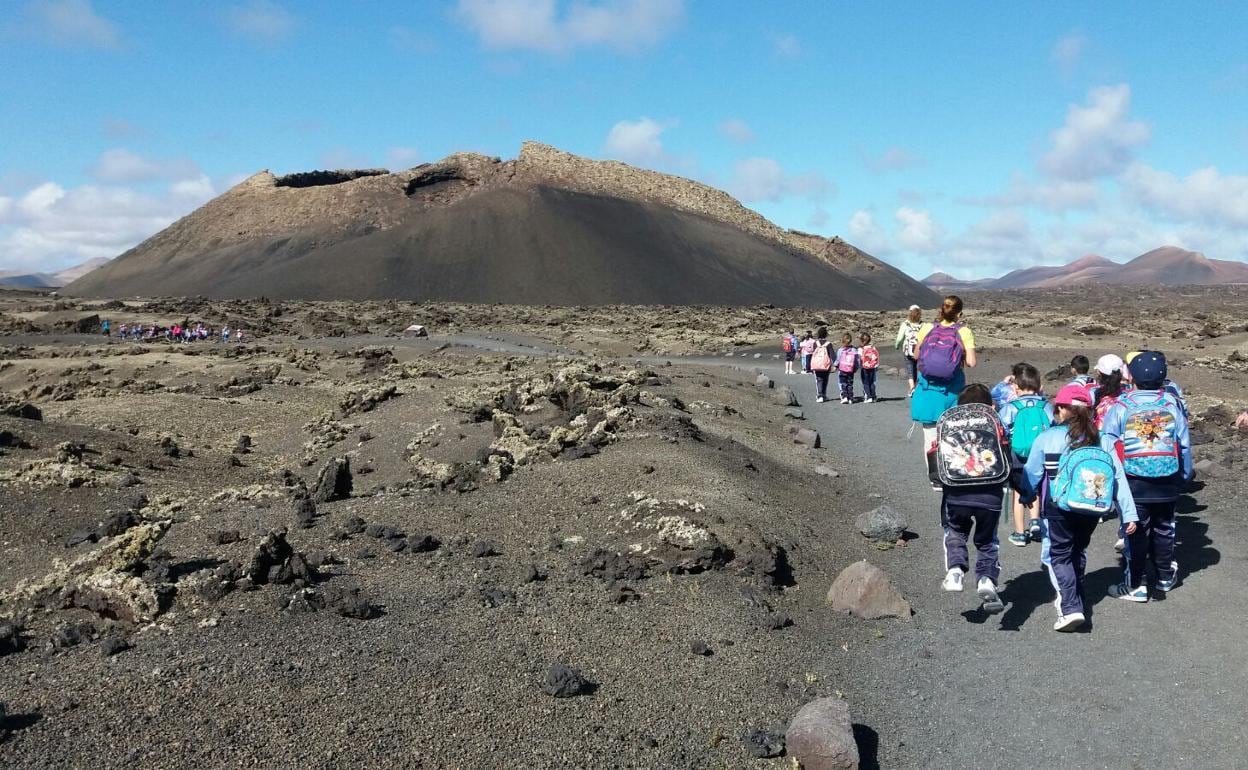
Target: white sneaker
{"x": 1120, "y": 545}
{"x": 1069, "y": 622}
{"x": 868, "y": 401}
{"x": 953, "y": 580}
{"x": 1167, "y": 584}
{"x": 988, "y": 595}
{"x": 819, "y": 400}
{"x": 1127, "y": 593}
{"x": 844, "y": 400}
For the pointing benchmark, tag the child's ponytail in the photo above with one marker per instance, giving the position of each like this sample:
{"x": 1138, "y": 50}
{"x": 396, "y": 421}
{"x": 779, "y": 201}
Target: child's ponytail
{"x": 1081, "y": 427}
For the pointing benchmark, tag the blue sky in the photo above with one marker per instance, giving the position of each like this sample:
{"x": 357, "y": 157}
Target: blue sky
{"x": 969, "y": 137}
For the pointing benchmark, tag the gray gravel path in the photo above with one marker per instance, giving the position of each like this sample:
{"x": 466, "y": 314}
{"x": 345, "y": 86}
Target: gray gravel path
{"x": 1154, "y": 685}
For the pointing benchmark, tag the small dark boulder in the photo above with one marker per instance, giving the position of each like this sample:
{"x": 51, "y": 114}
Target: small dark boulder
{"x": 566, "y": 682}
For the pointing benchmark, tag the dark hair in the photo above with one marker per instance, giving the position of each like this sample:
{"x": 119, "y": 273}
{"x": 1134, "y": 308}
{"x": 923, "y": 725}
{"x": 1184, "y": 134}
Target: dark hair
{"x": 950, "y": 309}
{"x": 975, "y": 393}
{"x": 822, "y": 332}
{"x": 1081, "y": 427}
{"x": 1080, "y": 364}
{"x": 1018, "y": 369}
{"x": 847, "y": 338}
{"x": 1109, "y": 385}
{"x": 1028, "y": 379}
{"x": 864, "y": 337}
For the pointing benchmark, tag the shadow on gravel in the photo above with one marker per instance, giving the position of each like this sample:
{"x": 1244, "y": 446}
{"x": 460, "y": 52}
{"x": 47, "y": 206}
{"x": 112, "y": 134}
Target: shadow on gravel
{"x": 1194, "y": 549}
{"x": 868, "y": 741}
{"x": 1024, "y": 594}
{"x": 15, "y": 722}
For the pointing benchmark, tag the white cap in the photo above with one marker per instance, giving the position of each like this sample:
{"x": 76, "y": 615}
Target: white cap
{"x": 915, "y": 307}
{"x": 1109, "y": 363}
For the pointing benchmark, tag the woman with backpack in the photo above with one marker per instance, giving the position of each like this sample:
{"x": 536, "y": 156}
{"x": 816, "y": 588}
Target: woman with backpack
{"x": 1075, "y": 472}
{"x": 821, "y": 364}
{"x": 945, "y": 347}
{"x": 908, "y": 343}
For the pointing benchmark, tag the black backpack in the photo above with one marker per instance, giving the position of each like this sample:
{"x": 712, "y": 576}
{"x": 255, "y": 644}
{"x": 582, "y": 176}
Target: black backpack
{"x": 970, "y": 447}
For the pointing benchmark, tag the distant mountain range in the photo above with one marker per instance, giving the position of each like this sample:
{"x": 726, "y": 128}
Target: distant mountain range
{"x": 1166, "y": 266}
{"x": 24, "y": 280}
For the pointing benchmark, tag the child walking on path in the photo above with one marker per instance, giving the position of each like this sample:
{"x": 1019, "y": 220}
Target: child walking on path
{"x": 1157, "y": 451}
{"x": 821, "y": 364}
{"x": 974, "y": 508}
{"x": 807, "y": 348}
{"x": 908, "y": 343}
{"x": 789, "y": 346}
{"x": 1076, "y": 473}
{"x": 870, "y": 358}
{"x": 1025, "y": 417}
{"x": 847, "y": 360}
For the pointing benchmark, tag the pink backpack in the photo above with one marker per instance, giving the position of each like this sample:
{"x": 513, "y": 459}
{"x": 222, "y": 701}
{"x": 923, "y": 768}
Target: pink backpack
{"x": 870, "y": 357}
{"x": 845, "y": 359}
{"x": 821, "y": 361}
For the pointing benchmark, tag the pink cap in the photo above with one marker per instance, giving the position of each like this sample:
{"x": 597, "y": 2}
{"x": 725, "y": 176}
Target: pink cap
{"x": 1073, "y": 394}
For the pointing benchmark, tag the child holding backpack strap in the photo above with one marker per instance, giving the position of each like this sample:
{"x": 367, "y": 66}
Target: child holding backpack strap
{"x": 1157, "y": 455}
{"x": 1025, "y": 417}
{"x": 1076, "y": 472}
{"x": 789, "y": 345}
{"x": 970, "y": 461}
{"x": 870, "y": 358}
{"x": 807, "y": 349}
{"x": 821, "y": 364}
{"x": 847, "y": 361}
{"x": 908, "y": 343}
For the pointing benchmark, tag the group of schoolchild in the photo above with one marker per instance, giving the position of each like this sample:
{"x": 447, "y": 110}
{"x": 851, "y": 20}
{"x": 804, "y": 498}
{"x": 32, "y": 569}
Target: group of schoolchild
{"x": 1112, "y": 443}
{"x": 820, "y": 358}
{"x": 184, "y": 332}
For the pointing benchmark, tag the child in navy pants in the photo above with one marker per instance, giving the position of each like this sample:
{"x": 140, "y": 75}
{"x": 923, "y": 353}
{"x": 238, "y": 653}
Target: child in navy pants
{"x": 847, "y": 358}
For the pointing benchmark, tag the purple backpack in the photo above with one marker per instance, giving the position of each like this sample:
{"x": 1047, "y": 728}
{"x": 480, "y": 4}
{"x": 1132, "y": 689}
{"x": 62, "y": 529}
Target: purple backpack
{"x": 941, "y": 353}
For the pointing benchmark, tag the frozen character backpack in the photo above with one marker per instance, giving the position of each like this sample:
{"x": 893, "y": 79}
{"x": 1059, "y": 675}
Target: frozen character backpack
{"x": 941, "y": 353}
{"x": 1150, "y": 437}
{"x": 1084, "y": 482}
{"x": 970, "y": 447}
{"x": 911, "y": 344}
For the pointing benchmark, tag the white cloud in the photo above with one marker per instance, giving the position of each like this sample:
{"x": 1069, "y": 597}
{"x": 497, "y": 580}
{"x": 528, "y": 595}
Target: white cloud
{"x": 866, "y": 234}
{"x": 892, "y": 159}
{"x": 785, "y": 46}
{"x": 120, "y": 165}
{"x": 1205, "y": 195}
{"x": 1051, "y": 195}
{"x": 917, "y": 231}
{"x": 764, "y": 179}
{"x": 71, "y": 24}
{"x": 737, "y": 130}
{"x": 550, "y": 27}
{"x": 50, "y": 227}
{"x": 260, "y": 22}
{"x": 638, "y": 141}
{"x": 1098, "y": 139}
{"x": 402, "y": 157}
{"x": 1068, "y": 50}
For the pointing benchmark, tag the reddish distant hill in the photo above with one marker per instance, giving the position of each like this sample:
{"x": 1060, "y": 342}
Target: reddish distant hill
{"x": 1166, "y": 266}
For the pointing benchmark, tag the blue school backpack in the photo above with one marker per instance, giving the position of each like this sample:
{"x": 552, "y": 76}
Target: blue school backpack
{"x": 1150, "y": 438}
{"x": 1084, "y": 481}
{"x": 1030, "y": 420}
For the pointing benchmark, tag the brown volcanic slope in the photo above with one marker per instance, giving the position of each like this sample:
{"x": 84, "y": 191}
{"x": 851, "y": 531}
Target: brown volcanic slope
{"x": 1165, "y": 266}
{"x": 546, "y": 228}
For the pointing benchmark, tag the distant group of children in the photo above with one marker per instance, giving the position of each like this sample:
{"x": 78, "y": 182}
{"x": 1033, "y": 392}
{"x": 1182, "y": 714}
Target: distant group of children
{"x": 820, "y": 358}
{"x": 178, "y": 332}
{"x": 1112, "y": 443}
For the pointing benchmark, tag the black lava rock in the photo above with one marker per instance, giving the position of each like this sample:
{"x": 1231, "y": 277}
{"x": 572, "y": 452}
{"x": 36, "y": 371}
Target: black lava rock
{"x": 423, "y": 543}
{"x": 699, "y": 647}
{"x": 113, "y": 645}
{"x": 225, "y": 537}
{"x": 763, "y": 744}
{"x": 11, "y": 639}
{"x": 484, "y": 548}
{"x": 334, "y": 481}
{"x": 566, "y": 682}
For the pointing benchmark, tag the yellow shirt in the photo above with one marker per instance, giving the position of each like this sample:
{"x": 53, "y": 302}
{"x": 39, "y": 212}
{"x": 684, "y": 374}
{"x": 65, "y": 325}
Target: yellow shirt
{"x": 968, "y": 337}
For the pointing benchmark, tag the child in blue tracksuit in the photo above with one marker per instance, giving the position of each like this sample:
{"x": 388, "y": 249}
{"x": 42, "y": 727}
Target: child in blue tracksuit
{"x": 1037, "y": 415}
{"x": 977, "y": 507}
{"x": 848, "y": 359}
{"x": 1066, "y": 534}
{"x": 1157, "y": 447}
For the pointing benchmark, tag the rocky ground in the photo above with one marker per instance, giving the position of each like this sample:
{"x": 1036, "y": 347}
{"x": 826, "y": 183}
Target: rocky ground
{"x": 335, "y": 545}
